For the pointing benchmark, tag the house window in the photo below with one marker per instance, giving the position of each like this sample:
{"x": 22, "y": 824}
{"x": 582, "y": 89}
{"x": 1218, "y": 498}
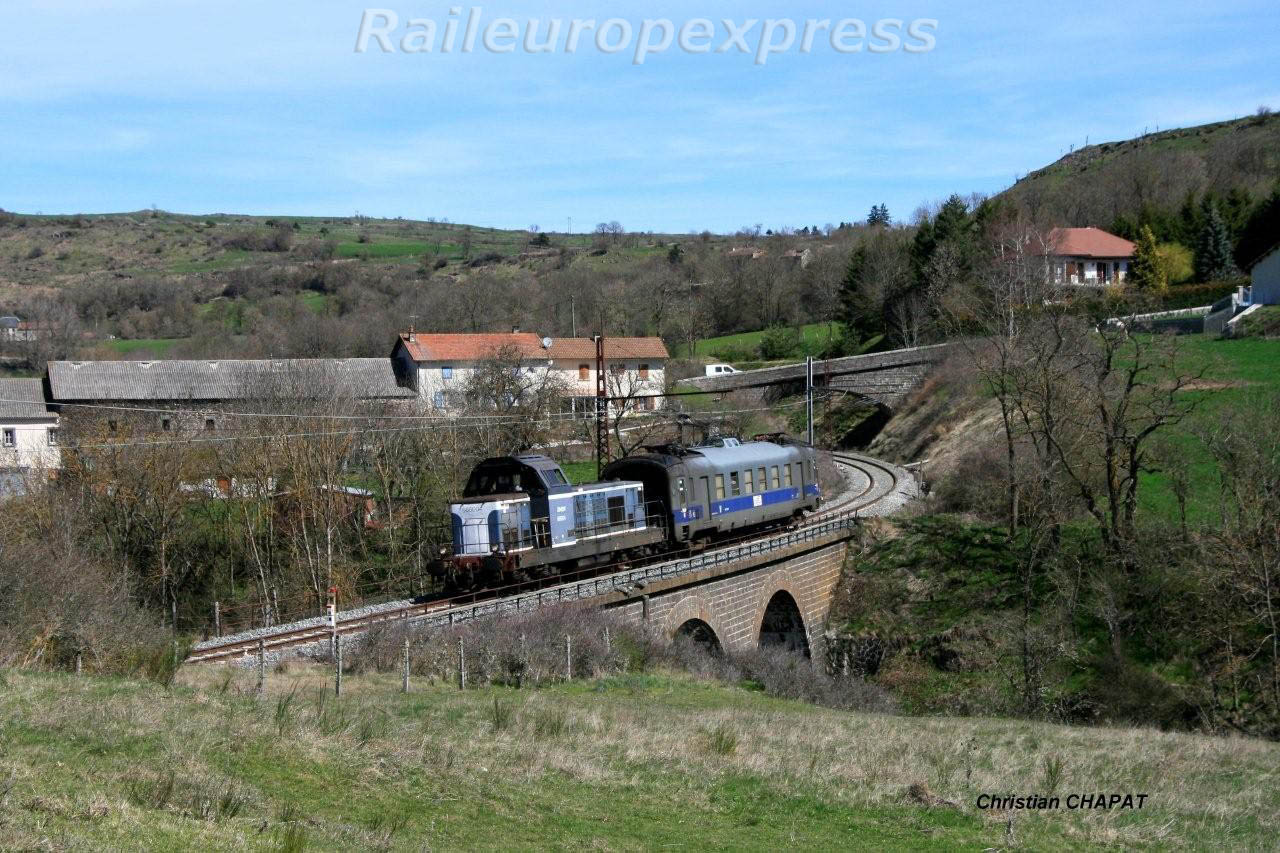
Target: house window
{"x": 644, "y": 371}
{"x": 53, "y": 436}
{"x": 209, "y": 425}
{"x": 584, "y": 372}
{"x": 111, "y": 425}
{"x": 10, "y": 437}
{"x": 166, "y": 424}
{"x": 439, "y": 400}
{"x": 446, "y": 373}
{"x": 617, "y": 368}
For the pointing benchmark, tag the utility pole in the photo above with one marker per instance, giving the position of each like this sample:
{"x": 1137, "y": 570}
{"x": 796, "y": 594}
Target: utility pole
{"x": 602, "y": 410}
{"x": 573, "y": 314}
{"x": 808, "y": 393}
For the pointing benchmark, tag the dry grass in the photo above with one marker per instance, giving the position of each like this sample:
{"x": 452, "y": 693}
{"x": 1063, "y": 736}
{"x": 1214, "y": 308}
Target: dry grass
{"x": 631, "y": 762}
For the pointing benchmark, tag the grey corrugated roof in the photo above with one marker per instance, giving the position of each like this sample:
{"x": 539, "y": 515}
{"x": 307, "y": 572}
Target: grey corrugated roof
{"x": 22, "y": 399}
{"x": 232, "y": 379}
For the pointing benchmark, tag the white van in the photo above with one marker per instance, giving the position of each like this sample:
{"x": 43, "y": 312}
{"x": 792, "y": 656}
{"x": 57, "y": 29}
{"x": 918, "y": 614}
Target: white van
{"x": 720, "y": 369}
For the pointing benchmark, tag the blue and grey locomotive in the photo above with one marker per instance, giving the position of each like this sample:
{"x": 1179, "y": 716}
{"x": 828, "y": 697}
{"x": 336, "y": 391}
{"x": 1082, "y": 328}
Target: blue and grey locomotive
{"x": 520, "y": 517}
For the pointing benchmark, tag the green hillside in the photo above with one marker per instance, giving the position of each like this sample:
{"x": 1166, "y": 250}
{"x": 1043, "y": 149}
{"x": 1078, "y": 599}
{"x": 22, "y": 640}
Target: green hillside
{"x": 1095, "y": 184}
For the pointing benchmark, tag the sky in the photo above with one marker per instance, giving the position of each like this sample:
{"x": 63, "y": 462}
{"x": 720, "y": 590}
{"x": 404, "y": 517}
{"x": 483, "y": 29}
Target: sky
{"x": 266, "y": 107}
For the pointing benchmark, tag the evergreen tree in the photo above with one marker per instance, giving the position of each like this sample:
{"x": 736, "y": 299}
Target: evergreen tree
{"x": 1259, "y": 234}
{"x": 1147, "y": 272}
{"x": 859, "y": 315}
{"x": 1214, "y": 261}
{"x": 879, "y": 215}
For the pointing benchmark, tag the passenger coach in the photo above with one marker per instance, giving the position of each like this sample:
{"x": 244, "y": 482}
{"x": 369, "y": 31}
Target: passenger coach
{"x": 725, "y": 484}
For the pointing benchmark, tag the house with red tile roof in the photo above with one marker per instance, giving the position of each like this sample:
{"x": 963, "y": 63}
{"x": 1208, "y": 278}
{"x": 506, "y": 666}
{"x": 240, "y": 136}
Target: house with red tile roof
{"x": 1088, "y": 257}
{"x": 439, "y": 365}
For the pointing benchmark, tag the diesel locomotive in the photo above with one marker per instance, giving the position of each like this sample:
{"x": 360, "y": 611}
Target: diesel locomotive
{"x": 519, "y": 517}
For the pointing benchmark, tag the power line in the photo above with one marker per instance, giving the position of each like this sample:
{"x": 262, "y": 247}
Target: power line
{"x": 222, "y": 439}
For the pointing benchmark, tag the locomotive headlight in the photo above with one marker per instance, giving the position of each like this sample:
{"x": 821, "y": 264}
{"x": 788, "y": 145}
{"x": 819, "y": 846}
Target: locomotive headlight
{"x": 493, "y": 549}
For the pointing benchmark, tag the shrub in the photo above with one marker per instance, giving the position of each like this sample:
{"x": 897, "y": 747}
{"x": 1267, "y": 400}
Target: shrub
{"x": 779, "y": 342}
{"x": 1195, "y": 295}
{"x": 529, "y": 651}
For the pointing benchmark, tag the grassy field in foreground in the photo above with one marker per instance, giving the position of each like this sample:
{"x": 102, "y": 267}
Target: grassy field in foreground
{"x": 638, "y": 762}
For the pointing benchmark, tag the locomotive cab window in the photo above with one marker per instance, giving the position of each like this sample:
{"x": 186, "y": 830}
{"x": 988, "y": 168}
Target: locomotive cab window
{"x": 682, "y": 493}
{"x": 617, "y": 511}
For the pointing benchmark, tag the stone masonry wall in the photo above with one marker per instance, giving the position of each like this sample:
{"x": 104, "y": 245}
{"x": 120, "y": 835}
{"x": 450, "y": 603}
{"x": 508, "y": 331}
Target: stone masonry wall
{"x": 734, "y": 605}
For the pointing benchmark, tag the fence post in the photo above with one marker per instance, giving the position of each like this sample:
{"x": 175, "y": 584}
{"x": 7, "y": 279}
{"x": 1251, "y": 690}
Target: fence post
{"x": 79, "y": 661}
{"x": 608, "y": 644}
{"x": 217, "y": 619}
{"x": 462, "y": 666}
{"x": 337, "y": 679}
{"x": 568, "y": 658}
{"x": 262, "y": 667}
{"x": 404, "y": 687}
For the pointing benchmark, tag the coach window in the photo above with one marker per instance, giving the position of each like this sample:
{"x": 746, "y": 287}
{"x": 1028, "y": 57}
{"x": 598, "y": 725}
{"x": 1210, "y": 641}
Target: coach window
{"x": 584, "y": 372}
{"x": 735, "y": 484}
{"x": 762, "y": 480}
{"x": 774, "y": 476}
{"x": 786, "y": 475}
{"x": 719, "y": 487}
{"x": 748, "y": 482}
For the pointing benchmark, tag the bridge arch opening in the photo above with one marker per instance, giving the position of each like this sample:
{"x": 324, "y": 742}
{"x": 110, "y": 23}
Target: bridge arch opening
{"x": 783, "y": 626}
{"x": 699, "y": 632}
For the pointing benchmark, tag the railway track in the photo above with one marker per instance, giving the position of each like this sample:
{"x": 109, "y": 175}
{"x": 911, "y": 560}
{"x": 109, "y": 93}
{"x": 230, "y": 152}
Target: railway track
{"x": 876, "y": 481}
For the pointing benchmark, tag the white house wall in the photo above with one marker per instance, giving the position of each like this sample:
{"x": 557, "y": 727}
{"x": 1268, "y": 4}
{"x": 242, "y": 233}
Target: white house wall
{"x": 1266, "y": 280}
{"x": 627, "y": 382}
{"x": 31, "y": 446}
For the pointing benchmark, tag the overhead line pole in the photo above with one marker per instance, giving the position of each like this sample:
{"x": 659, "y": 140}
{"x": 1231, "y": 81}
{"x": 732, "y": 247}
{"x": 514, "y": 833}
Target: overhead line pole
{"x": 808, "y": 393}
{"x": 602, "y": 410}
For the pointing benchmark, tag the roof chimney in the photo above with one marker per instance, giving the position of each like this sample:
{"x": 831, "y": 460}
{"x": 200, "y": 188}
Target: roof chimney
{"x": 515, "y": 330}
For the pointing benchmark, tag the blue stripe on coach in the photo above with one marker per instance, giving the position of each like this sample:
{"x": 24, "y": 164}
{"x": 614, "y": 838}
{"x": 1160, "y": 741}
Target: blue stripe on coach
{"x": 739, "y": 504}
